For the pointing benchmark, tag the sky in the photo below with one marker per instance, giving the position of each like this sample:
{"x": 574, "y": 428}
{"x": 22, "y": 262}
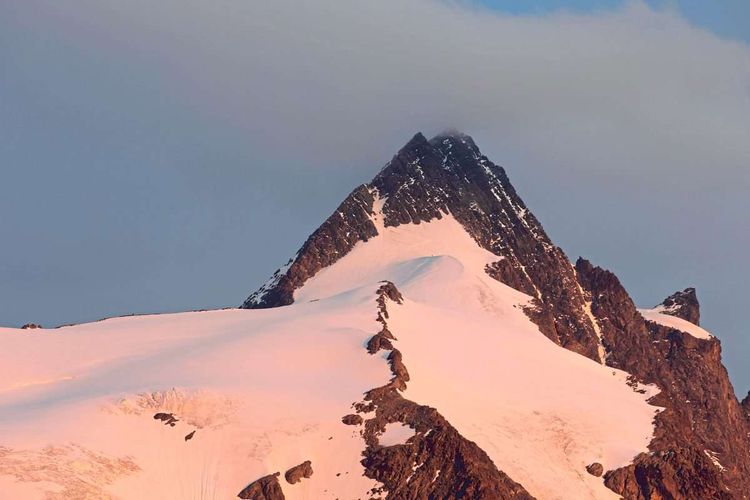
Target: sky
{"x": 169, "y": 155}
{"x": 726, "y": 18}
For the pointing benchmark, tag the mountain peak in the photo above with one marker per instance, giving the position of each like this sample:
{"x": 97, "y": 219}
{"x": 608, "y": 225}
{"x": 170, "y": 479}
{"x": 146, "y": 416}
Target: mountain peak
{"x": 424, "y": 181}
{"x": 417, "y": 141}
{"x": 683, "y": 305}
{"x": 448, "y": 176}
{"x": 449, "y": 139}
{"x": 447, "y": 149}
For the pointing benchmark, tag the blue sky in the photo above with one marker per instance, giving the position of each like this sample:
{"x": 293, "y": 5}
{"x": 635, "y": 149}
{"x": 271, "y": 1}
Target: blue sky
{"x": 727, "y": 18}
{"x": 170, "y": 155}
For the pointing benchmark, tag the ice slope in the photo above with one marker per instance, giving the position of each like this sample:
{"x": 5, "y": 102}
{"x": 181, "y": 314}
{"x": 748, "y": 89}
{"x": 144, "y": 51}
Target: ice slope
{"x": 541, "y": 412}
{"x": 266, "y": 389}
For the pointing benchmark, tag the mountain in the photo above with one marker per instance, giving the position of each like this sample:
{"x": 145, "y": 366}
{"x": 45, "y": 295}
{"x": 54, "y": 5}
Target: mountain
{"x": 428, "y": 340}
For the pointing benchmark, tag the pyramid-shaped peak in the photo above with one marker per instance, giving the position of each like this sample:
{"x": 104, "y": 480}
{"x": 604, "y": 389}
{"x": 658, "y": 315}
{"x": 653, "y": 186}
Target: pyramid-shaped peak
{"x": 428, "y": 162}
{"x": 452, "y": 135}
{"x": 450, "y": 144}
{"x": 419, "y": 140}
{"x": 413, "y": 152}
{"x": 424, "y": 181}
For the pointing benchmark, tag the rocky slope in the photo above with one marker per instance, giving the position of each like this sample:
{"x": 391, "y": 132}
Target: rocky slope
{"x": 700, "y": 448}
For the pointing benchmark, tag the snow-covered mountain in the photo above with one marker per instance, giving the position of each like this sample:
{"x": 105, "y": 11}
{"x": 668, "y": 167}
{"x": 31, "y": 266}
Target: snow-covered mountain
{"x": 433, "y": 343}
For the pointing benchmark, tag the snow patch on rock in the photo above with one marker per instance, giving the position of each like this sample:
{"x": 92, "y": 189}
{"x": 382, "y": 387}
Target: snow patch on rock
{"x": 395, "y": 433}
{"x": 657, "y": 315}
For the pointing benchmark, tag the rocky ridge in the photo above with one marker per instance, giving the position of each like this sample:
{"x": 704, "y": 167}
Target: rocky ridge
{"x": 700, "y": 446}
{"x": 437, "y": 462}
{"x": 265, "y": 488}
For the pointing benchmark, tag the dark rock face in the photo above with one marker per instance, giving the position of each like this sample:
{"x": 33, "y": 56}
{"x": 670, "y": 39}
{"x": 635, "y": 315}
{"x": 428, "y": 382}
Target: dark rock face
{"x": 265, "y": 488}
{"x": 679, "y": 474}
{"x": 332, "y": 240}
{"x": 448, "y": 465}
{"x": 352, "y": 419}
{"x": 437, "y": 462}
{"x": 299, "y": 472}
{"x": 595, "y": 469}
{"x": 30, "y": 326}
{"x": 746, "y": 406}
{"x": 167, "y": 418}
{"x": 700, "y": 446}
{"x": 684, "y": 305}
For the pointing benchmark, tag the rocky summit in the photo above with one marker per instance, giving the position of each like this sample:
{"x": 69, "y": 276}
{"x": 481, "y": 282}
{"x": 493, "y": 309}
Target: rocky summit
{"x": 427, "y": 341}
{"x": 684, "y": 305}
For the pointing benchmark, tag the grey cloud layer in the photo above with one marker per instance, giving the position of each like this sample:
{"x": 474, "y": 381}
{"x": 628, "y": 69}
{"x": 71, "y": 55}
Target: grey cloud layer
{"x": 335, "y": 74}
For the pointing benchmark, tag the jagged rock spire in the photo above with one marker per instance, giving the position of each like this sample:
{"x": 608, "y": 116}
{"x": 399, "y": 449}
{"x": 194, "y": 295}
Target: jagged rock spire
{"x": 684, "y": 305}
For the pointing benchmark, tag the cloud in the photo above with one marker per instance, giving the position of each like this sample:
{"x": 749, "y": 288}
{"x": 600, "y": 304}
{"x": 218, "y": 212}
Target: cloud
{"x": 344, "y": 81}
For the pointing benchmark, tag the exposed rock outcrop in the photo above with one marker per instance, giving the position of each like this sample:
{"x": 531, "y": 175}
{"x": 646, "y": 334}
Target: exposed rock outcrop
{"x": 299, "y": 472}
{"x": 595, "y": 469}
{"x": 265, "y": 488}
{"x": 352, "y": 419}
{"x": 167, "y": 418}
{"x": 684, "y": 305}
{"x": 679, "y": 474}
